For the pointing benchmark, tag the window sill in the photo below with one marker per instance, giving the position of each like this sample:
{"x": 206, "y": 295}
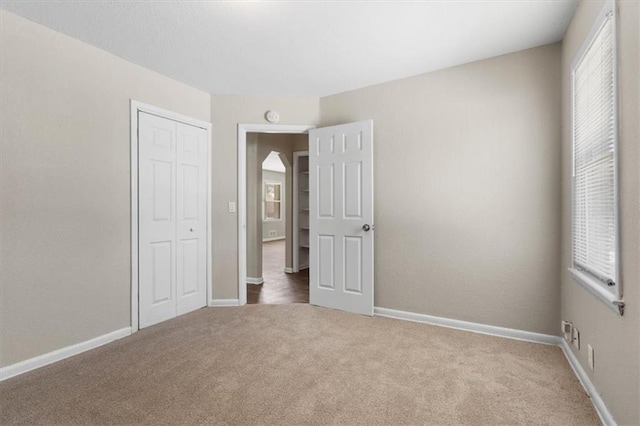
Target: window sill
{"x": 598, "y": 291}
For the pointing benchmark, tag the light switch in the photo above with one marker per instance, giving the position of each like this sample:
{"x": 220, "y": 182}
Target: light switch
{"x": 232, "y": 207}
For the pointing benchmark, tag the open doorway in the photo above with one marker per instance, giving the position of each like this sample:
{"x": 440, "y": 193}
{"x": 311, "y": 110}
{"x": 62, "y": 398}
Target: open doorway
{"x": 271, "y": 276}
{"x": 340, "y": 211}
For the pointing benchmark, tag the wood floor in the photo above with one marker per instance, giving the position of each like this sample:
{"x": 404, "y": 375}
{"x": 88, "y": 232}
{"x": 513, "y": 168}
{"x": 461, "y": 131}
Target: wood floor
{"x": 278, "y": 288}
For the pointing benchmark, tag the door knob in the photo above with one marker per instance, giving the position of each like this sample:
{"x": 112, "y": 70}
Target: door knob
{"x": 366, "y": 227}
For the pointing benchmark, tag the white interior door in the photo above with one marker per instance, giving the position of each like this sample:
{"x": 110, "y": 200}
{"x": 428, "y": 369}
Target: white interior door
{"x": 172, "y": 205}
{"x": 157, "y": 221}
{"x": 192, "y": 217}
{"x": 341, "y": 217}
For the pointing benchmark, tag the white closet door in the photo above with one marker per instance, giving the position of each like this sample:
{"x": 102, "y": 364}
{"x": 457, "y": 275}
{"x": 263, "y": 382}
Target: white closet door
{"x": 172, "y": 222}
{"x": 192, "y": 217}
{"x": 157, "y": 219}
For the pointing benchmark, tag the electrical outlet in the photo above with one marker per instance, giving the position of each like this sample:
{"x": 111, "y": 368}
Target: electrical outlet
{"x": 576, "y": 338}
{"x": 590, "y": 356}
{"x": 273, "y": 233}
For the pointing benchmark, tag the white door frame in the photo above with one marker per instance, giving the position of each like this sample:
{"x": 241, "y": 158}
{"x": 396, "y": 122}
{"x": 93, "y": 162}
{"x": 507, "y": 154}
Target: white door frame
{"x": 150, "y": 109}
{"x": 243, "y": 129}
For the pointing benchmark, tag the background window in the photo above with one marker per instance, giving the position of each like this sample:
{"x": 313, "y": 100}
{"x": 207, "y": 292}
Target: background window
{"x": 594, "y": 214}
{"x": 272, "y": 201}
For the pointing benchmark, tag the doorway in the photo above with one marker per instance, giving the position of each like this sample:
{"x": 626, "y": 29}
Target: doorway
{"x": 270, "y": 197}
{"x": 246, "y": 135}
{"x": 340, "y": 231}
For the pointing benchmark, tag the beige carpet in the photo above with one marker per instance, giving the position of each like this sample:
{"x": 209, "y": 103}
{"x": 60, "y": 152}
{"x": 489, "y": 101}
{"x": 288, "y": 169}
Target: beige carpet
{"x": 298, "y": 364}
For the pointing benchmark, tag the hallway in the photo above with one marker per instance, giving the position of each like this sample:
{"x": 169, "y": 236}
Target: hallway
{"x": 279, "y": 287}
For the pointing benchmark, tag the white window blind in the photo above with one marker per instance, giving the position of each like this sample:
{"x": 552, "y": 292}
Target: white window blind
{"x": 594, "y": 224}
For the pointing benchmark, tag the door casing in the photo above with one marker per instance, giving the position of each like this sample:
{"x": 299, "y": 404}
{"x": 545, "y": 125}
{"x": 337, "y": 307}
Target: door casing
{"x": 135, "y": 108}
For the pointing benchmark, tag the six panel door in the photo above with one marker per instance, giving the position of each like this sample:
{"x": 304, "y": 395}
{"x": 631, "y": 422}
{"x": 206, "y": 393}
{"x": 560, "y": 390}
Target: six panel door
{"x": 172, "y": 208}
{"x": 192, "y": 218}
{"x": 341, "y": 217}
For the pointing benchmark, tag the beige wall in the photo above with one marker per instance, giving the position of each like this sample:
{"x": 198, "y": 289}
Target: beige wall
{"x": 466, "y": 189}
{"x": 615, "y": 339}
{"x": 226, "y": 112}
{"x": 254, "y": 225}
{"x": 65, "y": 180}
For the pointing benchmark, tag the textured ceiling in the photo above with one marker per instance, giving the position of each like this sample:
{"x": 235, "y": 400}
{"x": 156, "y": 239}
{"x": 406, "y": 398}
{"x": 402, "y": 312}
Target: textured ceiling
{"x": 313, "y": 48}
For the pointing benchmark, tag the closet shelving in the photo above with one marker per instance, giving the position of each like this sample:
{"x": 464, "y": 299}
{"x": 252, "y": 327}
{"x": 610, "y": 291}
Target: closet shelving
{"x": 300, "y": 210}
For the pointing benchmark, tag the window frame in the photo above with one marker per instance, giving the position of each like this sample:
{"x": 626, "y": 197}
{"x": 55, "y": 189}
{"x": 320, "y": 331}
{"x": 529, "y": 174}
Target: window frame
{"x": 264, "y": 200}
{"x": 613, "y": 299}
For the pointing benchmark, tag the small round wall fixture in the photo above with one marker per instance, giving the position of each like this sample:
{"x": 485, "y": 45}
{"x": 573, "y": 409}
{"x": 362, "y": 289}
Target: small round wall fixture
{"x": 272, "y": 116}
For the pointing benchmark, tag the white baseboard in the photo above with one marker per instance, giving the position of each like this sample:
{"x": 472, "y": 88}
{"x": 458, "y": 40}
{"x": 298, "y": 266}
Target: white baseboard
{"x": 598, "y": 403}
{"x": 288, "y": 270}
{"x": 60, "y": 354}
{"x": 528, "y": 336}
{"x": 492, "y": 330}
{"x": 224, "y": 302}
{"x": 605, "y": 416}
{"x": 266, "y": 240}
{"x": 255, "y": 280}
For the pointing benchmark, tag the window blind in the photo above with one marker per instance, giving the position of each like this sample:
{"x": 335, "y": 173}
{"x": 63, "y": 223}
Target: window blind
{"x": 594, "y": 194}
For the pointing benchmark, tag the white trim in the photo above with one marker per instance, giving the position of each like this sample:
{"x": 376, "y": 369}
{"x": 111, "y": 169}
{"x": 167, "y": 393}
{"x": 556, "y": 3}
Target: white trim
{"x": 492, "y": 330}
{"x": 596, "y": 288}
{"x": 268, "y": 240}
{"x": 209, "y": 213}
{"x": 607, "y": 7}
{"x": 605, "y": 416}
{"x": 133, "y": 110}
{"x": 602, "y": 410}
{"x": 613, "y": 299}
{"x": 255, "y": 280}
{"x": 596, "y": 400}
{"x": 243, "y": 129}
{"x": 223, "y": 302}
{"x": 288, "y": 270}
{"x": 509, "y": 333}
{"x": 136, "y": 107}
{"x": 60, "y": 354}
